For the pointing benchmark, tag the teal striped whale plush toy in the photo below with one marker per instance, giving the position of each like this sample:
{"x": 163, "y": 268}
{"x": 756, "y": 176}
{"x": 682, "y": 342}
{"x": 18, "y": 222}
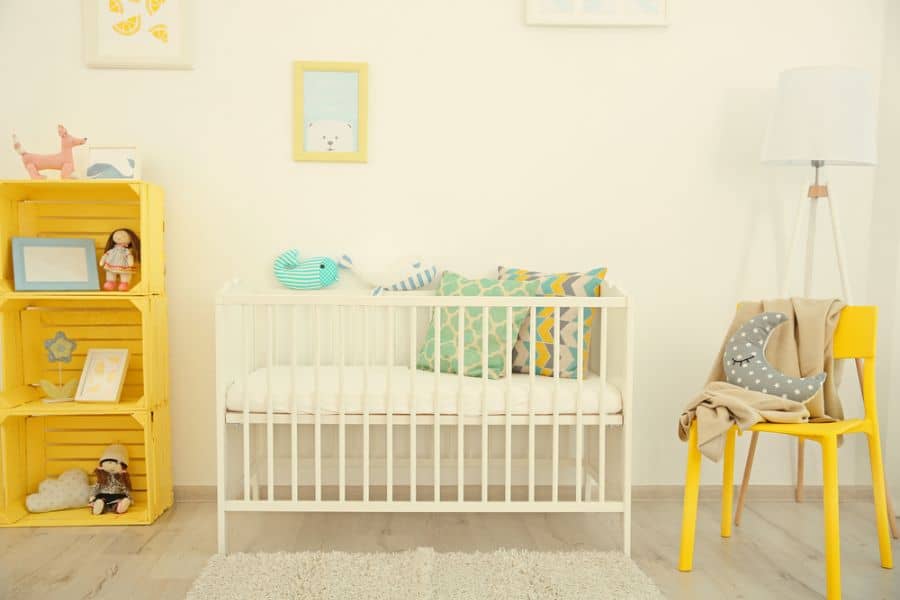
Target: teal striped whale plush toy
{"x": 308, "y": 274}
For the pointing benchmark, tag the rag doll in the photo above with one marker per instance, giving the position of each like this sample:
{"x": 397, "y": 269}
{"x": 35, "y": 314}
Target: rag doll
{"x": 112, "y": 492}
{"x": 123, "y": 250}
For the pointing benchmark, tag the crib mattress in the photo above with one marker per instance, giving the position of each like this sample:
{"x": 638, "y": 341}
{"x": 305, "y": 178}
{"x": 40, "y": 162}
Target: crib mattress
{"x": 596, "y": 395}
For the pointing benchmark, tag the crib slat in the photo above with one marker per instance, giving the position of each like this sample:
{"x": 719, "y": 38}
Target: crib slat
{"x": 412, "y": 404}
{"x": 365, "y": 403}
{"x": 317, "y": 394}
{"x": 295, "y": 405}
{"x": 532, "y": 341}
{"x": 246, "y": 366}
{"x": 389, "y": 424}
{"x": 270, "y": 424}
{"x": 556, "y": 334}
{"x": 601, "y": 437}
{"x": 579, "y": 425}
{"x": 342, "y": 428}
{"x": 508, "y": 401}
{"x": 460, "y": 427}
{"x": 437, "y": 405}
{"x": 484, "y": 414}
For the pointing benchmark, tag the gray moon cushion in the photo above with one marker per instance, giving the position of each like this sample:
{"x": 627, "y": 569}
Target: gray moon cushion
{"x": 746, "y": 365}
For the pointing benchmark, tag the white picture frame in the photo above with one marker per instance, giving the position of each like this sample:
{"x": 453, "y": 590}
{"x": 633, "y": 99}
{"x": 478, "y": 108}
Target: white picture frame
{"x": 597, "y": 13}
{"x": 103, "y": 375}
{"x": 150, "y": 34}
{"x": 113, "y": 162}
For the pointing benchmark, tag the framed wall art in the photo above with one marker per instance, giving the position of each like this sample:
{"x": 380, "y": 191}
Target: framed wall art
{"x": 330, "y": 111}
{"x": 142, "y": 34}
{"x": 596, "y": 12}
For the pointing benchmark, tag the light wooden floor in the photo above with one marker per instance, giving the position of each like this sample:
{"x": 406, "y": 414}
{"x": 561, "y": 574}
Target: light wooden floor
{"x": 776, "y": 553}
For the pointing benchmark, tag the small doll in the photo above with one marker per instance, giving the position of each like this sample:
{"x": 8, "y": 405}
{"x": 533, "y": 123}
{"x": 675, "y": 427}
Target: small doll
{"x": 113, "y": 488}
{"x": 123, "y": 250}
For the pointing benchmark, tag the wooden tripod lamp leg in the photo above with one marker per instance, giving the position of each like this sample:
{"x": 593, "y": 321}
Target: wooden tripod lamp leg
{"x": 745, "y": 482}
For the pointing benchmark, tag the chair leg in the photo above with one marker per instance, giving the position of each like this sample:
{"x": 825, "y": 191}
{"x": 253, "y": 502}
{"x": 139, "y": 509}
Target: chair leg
{"x": 689, "y": 512}
{"x": 801, "y": 457}
{"x": 892, "y": 517}
{"x": 728, "y": 482}
{"x": 745, "y": 482}
{"x": 880, "y": 497}
{"x": 832, "y": 518}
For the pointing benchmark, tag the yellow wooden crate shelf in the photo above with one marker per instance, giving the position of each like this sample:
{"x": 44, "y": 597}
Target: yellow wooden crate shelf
{"x": 39, "y": 440}
{"x": 33, "y": 448}
{"x": 85, "y": 209}
{"x": 136, "y": 323}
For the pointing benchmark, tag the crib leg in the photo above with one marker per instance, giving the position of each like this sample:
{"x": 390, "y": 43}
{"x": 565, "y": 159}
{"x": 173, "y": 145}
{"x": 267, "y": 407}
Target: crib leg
{"x": 222, "y": 530}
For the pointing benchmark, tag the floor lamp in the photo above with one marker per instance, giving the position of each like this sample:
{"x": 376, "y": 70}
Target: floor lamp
{"x": 823, "y": 116}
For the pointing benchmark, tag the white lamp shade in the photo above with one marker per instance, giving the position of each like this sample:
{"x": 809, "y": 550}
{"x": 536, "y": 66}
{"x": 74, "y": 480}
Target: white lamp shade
{"x": 822, "y": 113}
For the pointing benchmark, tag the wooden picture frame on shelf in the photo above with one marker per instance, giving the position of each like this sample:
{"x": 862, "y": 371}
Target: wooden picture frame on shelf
{"x": 103, "y": 375}
{"x": 54, "y": 264}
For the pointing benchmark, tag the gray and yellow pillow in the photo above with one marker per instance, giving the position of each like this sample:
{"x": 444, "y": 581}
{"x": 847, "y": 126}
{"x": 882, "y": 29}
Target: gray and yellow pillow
{"x": 453, "y": 284}
{"x": 588, "y": 283}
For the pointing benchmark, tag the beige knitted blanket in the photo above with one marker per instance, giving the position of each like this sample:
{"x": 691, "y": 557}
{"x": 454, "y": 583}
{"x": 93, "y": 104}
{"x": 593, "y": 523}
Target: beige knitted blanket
{"x": 801, "y": 347}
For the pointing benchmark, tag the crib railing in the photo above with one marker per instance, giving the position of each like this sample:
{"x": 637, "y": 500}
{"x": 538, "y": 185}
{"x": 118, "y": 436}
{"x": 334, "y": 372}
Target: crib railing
{"x": 315, "y": 332}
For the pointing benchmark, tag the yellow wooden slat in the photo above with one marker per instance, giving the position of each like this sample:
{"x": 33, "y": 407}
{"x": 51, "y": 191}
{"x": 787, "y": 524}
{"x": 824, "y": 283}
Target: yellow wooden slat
{"x": 101, "y": 423}
{"x": 88, "y": 451}
{"x": 54, "y": 468}
{"x": 85, "y": 210}
{"x": 98, "y": 437}
{"x": 90, "y": 226}
{"x": 133, "y": 377}
{"x": 103, "y": 317}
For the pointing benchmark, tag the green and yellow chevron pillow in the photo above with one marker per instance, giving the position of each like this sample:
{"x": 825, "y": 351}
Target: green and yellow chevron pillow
{"x": 453, "y": 284}
{"x": 588, "y": 283}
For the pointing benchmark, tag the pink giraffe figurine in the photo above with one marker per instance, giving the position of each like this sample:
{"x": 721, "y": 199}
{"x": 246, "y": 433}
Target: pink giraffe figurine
{"x": 61, "y": 161}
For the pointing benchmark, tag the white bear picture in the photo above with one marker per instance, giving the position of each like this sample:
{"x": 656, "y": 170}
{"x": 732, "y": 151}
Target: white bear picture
{"x": 330, "y": 136}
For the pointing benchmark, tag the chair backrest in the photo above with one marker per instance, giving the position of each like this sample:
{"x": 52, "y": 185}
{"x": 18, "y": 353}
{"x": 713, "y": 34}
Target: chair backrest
{"x": 855, "y": 333}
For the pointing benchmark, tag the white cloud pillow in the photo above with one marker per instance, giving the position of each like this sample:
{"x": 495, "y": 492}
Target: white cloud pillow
{"x": 70, "y": 490}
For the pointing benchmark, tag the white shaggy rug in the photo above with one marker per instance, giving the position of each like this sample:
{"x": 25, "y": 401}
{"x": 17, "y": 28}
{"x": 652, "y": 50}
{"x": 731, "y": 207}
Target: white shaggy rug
{"x": 424, "y": 574}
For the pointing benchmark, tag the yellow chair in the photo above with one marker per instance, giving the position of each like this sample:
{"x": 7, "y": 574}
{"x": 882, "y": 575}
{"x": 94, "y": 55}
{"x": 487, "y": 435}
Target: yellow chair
{"x": 854, "y": 338}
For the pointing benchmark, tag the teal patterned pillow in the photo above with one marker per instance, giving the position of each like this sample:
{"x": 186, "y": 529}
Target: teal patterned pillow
{"x": 453, "y": 284}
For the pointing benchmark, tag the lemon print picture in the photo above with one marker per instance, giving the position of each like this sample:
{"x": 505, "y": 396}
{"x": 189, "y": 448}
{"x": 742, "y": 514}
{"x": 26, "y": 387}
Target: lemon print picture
{"x": 135, "y": 14}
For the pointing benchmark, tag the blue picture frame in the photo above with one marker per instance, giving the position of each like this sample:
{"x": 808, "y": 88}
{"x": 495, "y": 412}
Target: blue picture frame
{"x": 84, "y": 277}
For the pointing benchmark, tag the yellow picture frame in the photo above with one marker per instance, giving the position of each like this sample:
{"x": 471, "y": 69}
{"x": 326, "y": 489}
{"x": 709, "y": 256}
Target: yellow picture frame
{"x": 315, "y": 112}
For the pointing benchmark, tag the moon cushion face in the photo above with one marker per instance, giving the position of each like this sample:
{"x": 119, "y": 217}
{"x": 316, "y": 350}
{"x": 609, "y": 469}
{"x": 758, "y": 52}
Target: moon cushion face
{"x": 746, "y": 365}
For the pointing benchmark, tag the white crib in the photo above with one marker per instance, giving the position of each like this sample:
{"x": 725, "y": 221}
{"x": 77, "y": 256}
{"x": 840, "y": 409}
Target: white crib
{"x": 320, "y": 407}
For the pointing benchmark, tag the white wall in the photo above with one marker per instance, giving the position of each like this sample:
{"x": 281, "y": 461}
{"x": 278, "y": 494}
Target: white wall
{"x": 884, "y": 268}
{"x": 491, "y": 142}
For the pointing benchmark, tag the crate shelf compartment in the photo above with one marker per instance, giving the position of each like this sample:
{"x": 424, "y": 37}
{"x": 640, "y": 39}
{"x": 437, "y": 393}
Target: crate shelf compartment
{"x": 85, "y": 209}
{"x": 136, "y": 323}
{"x": 34, "y": 448}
